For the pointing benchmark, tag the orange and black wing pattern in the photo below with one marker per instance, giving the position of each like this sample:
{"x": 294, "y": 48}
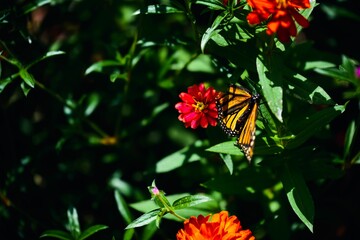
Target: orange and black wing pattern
{"x": 237, "y": 110}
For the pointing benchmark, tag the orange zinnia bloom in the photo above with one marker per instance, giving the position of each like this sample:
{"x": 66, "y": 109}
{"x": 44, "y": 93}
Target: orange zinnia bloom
{"x": 281, "y": 15}
{"x": 214, "y": 227}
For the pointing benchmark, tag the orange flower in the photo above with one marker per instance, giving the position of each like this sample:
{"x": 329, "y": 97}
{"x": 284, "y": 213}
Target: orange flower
{"x": 216, "y": 227}
{"x": 280, "y": 15}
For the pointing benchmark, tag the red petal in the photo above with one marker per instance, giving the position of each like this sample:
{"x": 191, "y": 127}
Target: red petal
{"x": 299, "y": 18}
{"x": 185, "y": 97}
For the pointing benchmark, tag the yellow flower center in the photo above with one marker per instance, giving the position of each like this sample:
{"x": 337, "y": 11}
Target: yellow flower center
{"x": 199, "y": 106}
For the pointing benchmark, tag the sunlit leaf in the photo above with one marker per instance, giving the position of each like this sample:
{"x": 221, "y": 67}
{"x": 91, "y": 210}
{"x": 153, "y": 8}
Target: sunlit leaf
{"x": 176, "y": 160}
{"x": 298, "y": 194}
{"x": 189, "y": 201}
{"x": 27, "y": 77}
{"x": 212, "y": 31}
{"x": 345, "y": 72}
{"x": 201, "y": 64}
{"x": 308, "y": 91}
{"x": 273, "y": 91}
{"x": 318, "y": 64}
{"x": 228, "y": 147}
{"x": 144, "y": 219}
{"x": 129, "y": 234}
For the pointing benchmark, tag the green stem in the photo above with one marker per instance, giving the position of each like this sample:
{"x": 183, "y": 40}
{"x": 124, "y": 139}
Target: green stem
{"x": 192, "y": 20}
{"x": 170, "y": 209}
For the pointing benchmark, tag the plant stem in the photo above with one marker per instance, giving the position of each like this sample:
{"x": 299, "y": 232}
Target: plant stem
{"x": 170, "y": 209}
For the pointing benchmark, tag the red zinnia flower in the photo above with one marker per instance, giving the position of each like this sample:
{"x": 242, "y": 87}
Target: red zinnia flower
{"x": 198, "y": 106}
{"x": 214, "y": 227}
{"x": 282, "y": 14}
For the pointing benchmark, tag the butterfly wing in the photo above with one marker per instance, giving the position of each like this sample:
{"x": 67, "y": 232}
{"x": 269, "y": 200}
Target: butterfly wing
{"x": 246, "y": 139}
{"x": 232, "y": 106}
{"x": 237, "y": 110}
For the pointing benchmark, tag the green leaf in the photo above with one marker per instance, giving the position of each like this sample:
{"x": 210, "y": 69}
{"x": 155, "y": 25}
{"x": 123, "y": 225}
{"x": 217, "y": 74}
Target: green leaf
{"x": 345, "y": 72}
{"x": 149, "y": 231}
{"x": 118, "y": 75}
{"x": 202, "y": 63}
{"x": 157, "y": 9}
{"x": 159, "y": 217}
{"x": 27, "y": 77}
{"x": 143, "y": 206}
{"x": 99, "y": 66}
{"x": 349, "y": 137}
{"x": 25, "y": 88}
{"x": 212, "y": 31}
{"x": 93, "y": 101}
{"x": 144, "y": 219}
{"x": 47, "y": 55}
{"x": 228, "y": 162}
{"x": 6, "y": 81}
{"x": 203, "y": 208}
{"x": 273, "y": 91}
{"x": 50, "y": 54}
{"x": 91, "y": 230}
{"x": 227, "y": 147}
{"x": 189, "y": 201}
{"x": 248, "y": 183}
{"x": 177, "y": 159}
{"x": 156, "y": 111}
{"x": 129, "y": 234}
{"x": 122, "y": 207}
{"x": 57, "y": 234}
{"x": 304, "y": 89}
{"x": 33, "y": 5}
{"x": 318, "y": 65}
{"x": 303, "y": 129}
{"x": 74, "y": 224}
{"x": 230, "y": 147}
{"x": 212, "y": 4}
{"x": 336, "y": 11}
{"x": 298, "y": 194}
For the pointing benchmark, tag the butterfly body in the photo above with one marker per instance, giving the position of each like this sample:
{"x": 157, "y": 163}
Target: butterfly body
{"x": 237, "y": 111}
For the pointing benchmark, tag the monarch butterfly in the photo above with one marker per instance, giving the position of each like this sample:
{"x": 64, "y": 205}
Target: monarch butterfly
{"x": 237, "y": 111}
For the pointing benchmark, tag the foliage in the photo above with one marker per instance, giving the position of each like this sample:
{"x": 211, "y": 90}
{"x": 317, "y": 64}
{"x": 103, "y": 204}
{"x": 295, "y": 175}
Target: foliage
{"x": 88, "y": 120}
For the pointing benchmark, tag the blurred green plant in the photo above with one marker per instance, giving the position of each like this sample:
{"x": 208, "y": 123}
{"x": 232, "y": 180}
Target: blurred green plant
{"x": 107, "y": 115}
{"x": 74, "y": 231}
